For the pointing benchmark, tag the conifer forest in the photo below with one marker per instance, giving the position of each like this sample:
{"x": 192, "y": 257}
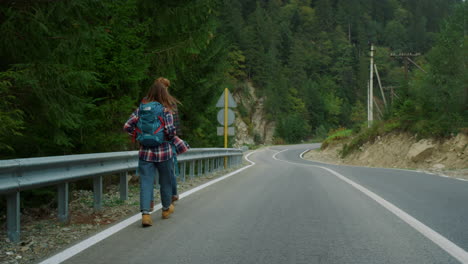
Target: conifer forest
{"x": 72, "y": 71}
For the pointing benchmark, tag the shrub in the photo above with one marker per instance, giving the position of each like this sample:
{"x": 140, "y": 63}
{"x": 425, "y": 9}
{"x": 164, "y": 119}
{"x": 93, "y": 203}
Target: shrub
{"x": 335, "y": 135}
{"x": 278, "y": 141}
{"x": 370, "y": 134}
{"x": 293, "y": 128}
{"x": 258, "y": 139}
{"x": 321, "y": 132}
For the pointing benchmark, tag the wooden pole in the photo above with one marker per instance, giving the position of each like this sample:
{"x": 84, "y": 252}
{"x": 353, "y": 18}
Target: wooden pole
{"x": 380, "y": 85}
{"x": 415, "y": 64}
{"x": 378, "y": 109}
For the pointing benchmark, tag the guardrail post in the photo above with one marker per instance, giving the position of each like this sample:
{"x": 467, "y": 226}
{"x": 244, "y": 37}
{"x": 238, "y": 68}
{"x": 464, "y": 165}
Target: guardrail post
{"x": 192, "y": 169}
{"x": 123, "y": 186}
{"x": 13, "y": 216}
{"x": 200, "y": 164}
{"x": 220, "y": 164}
{"x": 207, "y": 166}
{"x": 62, "y": 199}
{"x": 97, "y": 188}
{"x": 183, "y": 170}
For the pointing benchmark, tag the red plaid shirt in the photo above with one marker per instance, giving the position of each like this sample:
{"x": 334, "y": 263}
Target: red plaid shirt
{"x": 164, "y": 151}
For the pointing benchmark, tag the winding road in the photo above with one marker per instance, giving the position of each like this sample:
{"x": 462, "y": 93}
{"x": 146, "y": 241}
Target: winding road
{"x": 285, "y": 209}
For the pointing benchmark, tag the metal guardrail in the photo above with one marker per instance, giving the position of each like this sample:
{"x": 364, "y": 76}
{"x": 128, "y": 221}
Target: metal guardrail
{"x": 24, "y": 174}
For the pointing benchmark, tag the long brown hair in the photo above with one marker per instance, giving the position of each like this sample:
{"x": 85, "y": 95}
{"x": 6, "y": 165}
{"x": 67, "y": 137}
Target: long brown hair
{"x": 158, "y": 91}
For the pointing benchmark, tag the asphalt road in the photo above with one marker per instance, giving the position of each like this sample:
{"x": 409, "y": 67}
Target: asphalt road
{"x": 283, "y": 210}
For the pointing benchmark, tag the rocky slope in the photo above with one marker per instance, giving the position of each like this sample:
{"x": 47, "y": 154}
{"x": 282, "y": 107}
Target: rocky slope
{"x": 255, "y": 123}
{"x": 448, "y": 157}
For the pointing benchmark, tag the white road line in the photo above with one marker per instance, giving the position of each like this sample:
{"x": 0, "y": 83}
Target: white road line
{"x": 70, "y": 252}
{"x": 447, "y": 245}
{"x": 274, "y": 156}
{"x": 302, "y": 154}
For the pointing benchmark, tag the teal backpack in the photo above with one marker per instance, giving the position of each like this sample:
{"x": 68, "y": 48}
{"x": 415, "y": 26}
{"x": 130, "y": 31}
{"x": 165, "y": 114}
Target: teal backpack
{"x": 150, "y": 125}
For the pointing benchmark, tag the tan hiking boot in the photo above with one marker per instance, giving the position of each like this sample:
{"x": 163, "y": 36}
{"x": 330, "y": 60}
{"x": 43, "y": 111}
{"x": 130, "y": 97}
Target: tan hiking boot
{"x": 146, "y": 220}
{"x": 167, "y": 213}
{"x": 175, "y": 198}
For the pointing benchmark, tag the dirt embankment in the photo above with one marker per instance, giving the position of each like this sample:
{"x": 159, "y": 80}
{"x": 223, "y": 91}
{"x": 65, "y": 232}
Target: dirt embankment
{"x": 447, "y": 157}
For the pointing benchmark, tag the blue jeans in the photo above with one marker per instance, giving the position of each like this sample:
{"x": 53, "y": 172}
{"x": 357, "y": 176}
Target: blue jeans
{"x": 173, "y": 179}
{"x": 147, "y": 173}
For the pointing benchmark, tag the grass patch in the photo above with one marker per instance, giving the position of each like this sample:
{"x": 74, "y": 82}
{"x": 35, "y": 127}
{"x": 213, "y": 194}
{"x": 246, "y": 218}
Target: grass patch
{"x": 369, "y": 135}
{"x": 336, "y": 135}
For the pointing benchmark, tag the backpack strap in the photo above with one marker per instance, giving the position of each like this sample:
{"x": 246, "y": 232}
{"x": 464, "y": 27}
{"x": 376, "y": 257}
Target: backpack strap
{"x": 161, "y": 120}
{"x": 134, "y": 134}
{"x": 136, "y": 130}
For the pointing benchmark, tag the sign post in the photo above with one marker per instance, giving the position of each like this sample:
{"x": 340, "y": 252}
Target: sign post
{"x": 226, "y": 117}
{"x": 226, "y": 91}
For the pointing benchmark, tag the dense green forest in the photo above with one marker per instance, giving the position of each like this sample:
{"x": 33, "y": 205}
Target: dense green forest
{"x": 71, "y": 72}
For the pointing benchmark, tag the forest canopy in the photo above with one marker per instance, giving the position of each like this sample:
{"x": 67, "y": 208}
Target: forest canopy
{"x": 71, "y": 72}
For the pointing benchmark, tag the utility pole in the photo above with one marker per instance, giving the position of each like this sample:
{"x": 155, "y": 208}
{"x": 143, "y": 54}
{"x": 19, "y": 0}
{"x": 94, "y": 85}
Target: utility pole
{"x": 368, "y": 105}
{"x": 370, "y": 116}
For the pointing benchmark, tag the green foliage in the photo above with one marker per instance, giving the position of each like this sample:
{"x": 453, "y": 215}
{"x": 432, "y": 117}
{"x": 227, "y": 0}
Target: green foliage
{"x": 86, "y": 64}
{"x": 391, "y": 125}
{"x": 71, "y": 72}
{"x": 358, "y": 113}
{"x": 378, "y": 128}
{"x": 336, "y": 135}
{"x": 310, "y": 57}
{"x": 258, "y": 139}
{"x": 292, "y": 128}
{"x": 438, "y": 100}
{"x": 11, "y": 117}
{"x": 365, "y": 135}
{"x": 320, "y": 133}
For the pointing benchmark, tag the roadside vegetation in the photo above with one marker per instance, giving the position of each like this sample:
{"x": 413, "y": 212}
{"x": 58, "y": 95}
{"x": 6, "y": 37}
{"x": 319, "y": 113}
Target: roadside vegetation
{"x": 434, "y": 103}
{"x": 71, "y": 72}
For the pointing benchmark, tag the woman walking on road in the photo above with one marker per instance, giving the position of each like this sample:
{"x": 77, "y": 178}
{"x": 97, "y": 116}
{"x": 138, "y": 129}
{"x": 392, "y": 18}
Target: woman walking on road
{"x": 175, "y": 114}
{"x": 156, "y": 107}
